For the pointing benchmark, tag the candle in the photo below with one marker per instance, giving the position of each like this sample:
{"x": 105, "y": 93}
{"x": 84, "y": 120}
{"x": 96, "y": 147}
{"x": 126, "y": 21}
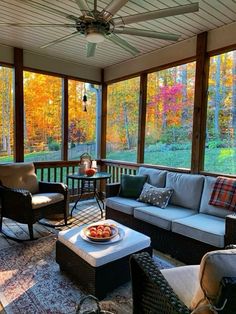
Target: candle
{"x": 86, "y": 164}
{"x": 94, "y": 164}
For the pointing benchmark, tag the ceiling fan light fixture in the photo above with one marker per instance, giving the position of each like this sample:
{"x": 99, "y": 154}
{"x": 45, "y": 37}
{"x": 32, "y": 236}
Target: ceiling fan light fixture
{"x": 95, "y": 37}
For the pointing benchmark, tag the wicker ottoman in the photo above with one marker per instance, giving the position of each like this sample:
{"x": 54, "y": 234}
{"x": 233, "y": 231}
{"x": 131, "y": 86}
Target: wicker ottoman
{"x": 99, "y": 268}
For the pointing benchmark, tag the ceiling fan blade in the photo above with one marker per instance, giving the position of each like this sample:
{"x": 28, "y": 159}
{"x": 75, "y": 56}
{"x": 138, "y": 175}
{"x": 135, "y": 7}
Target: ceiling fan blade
{"x": 37, "y": 25}
{"x": 146, "y": 33}
{"x": 136, "y": 18}
{"x": 123, "y": 44}
{"x": 91, "y": 47}
{"x": 60, "y": 40}
{"x": 111, "y": 9}
{"x": 83, "y": 6}
{"x": 48, "y": 9}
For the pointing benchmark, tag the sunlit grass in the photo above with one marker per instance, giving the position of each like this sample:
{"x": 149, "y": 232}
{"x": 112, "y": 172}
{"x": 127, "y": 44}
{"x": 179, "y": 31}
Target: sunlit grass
{"x": 219, "y": 160}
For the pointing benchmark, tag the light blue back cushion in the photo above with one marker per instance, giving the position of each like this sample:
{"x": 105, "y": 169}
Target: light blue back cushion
{"x": 205, "y": 208}
{"x": 187, "y": 189}
{"x": 156, "y": 177}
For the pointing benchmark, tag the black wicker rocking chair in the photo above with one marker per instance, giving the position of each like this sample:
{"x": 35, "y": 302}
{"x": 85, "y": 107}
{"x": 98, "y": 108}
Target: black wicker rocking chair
{"x": 153, "y": 294}
{"x": 26, "y": 200}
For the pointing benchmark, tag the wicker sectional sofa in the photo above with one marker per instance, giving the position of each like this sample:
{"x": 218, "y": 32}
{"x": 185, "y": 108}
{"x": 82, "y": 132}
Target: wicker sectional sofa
{"x": 188, "y": 227}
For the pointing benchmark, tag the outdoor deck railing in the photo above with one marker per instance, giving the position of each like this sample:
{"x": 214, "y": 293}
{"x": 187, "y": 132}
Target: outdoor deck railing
{"x": 57, "y": 171}
{"x": 116, "y": 168}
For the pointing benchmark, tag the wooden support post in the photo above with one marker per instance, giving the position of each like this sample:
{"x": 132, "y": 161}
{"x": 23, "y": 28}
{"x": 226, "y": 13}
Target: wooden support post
{"x": 200, "y": 104}
{"x": 103, "y": 118}
{"x": 65, "y": 119}
{"x": 103, "y": 122}
{"x": 142, "y": 118}
{"x": 19, "y": 106}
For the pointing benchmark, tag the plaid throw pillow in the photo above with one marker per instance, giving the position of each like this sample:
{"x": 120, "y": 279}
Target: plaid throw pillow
{"x": 156, "y": 196}
{"x": 224, "y": 193}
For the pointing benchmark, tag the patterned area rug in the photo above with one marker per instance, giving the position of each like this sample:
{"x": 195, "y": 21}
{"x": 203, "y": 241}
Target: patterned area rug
{"x": 31, "y": 282}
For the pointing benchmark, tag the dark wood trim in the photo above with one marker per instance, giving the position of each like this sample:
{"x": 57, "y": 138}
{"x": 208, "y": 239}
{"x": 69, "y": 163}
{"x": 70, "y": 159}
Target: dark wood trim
{"x": 123, "y": 78}
{"x": 103, "y": 118}
{"x": 200, "y": 104}
{"x": 65, "y": 137}
{"x": 154, "y": 69}
{"x": 133, "y": 165}
{"x": 6, "y": 64}
{"x": 142, "y": 118}
{"x": 58, "y": 163}
{"x": 83, "y": 80}
{"x": 19, "y": 106}
{"x": 44, "y": 72}
{"x": 214, "y": 174}
{"x": 221, "y": 50}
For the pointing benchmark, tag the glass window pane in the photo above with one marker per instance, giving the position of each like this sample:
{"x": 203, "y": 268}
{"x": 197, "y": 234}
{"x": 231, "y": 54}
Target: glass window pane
{"x": 220, "y": 148}
{"x": 169, "y": 116}
{"x": 122, "y": 120}
{"x": 43, "y": 117}
{"x": 6, "y": 114}
{"x": 82, "y": 121}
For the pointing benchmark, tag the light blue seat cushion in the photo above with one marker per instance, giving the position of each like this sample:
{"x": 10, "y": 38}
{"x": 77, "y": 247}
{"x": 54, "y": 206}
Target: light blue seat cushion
{"x": 187, "y": 189}
{"x": 123, "y": 204}
{"x": 205, "y": 228}
{"x": 205, "y": 208}
{"x": 162, "y": 217}
{"x": 156, "y": 177}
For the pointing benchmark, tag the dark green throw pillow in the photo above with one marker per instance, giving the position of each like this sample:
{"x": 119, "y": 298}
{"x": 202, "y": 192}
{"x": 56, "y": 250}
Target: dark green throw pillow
{"x": 131, "y": 186}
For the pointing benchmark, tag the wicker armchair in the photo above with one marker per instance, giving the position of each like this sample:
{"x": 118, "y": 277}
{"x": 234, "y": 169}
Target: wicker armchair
{"x": 26, "y": 200}
{"x": 154, "y": 293}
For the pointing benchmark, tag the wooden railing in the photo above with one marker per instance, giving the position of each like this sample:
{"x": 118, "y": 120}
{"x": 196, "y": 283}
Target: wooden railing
{"x": 57, "y": 171}
{"x": 116, "y": 168}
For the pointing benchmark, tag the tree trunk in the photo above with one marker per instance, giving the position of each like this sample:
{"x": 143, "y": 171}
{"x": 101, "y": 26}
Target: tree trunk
{"x": 164, "y": 115}
{"x": 184, "y": 115}
{"x": 126, "y": 123}
{"x": 217, "y": 98}
{"x": 234, "y": 99}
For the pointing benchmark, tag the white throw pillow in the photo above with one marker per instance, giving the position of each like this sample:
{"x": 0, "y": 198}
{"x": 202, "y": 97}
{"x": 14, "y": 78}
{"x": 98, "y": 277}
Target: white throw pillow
{"x": 214, "y": 266}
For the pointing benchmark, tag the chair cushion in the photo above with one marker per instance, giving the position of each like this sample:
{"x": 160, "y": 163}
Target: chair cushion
{"x": 156, "y": 196}
{"x": 205, "y": 207}
{"x": 124, "y": 205}
{"x": 214, "y": 265}
{"x": 205, "y": 228}
{"x": 44, "y": 199}
{"x": 19, "y": 176}
{"x": 131, "y": 185}
{"x": 184, "y": 280}
{"x": 161, "y": 217}
{"x": 155, "y": 177}
{"x": 187, "y": 189}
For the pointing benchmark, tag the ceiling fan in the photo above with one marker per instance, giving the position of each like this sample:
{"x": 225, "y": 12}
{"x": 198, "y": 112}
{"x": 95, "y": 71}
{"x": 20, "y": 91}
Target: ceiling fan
{"x": 96, "y": 26}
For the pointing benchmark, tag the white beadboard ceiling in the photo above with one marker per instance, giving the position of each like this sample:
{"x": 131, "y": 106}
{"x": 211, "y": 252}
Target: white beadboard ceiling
{"x": 212, "y": 14}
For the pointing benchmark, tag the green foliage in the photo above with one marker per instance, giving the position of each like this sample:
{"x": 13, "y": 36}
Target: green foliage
{"x": 53, "y": 145}
{"x": 163, "y": 147}
{"x": 175, "y": 134}
{"x": 216, "y": 143}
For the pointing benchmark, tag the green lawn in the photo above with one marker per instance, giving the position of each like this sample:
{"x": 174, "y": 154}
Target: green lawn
{"x": 219, "y": 160}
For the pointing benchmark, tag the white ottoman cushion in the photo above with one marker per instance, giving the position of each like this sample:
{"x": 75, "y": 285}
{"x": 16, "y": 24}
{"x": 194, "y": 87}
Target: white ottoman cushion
{"x": 101, "y": 254}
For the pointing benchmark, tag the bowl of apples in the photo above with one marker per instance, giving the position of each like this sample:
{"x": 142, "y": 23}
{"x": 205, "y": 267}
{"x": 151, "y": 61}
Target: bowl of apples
{"x": 100, "y": 232}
